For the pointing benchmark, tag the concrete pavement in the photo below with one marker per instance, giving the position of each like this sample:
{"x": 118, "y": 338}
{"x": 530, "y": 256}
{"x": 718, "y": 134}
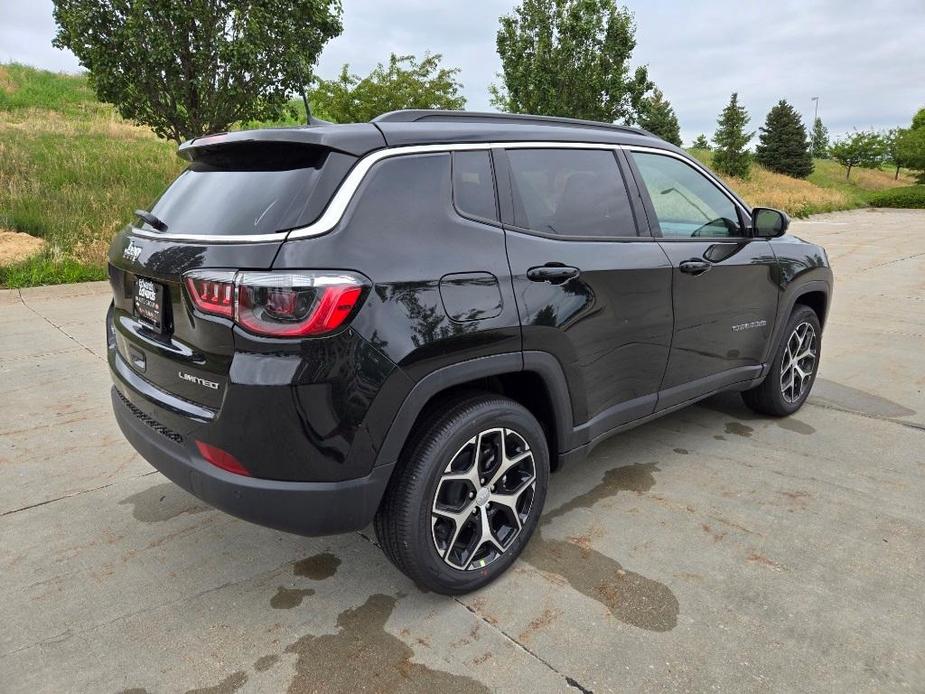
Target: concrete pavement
{"x": 711, "y": 549}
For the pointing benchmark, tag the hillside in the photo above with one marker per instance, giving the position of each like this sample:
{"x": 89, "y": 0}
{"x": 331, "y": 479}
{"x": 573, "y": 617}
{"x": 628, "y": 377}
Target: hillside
{"x": 72, "y": 171}
{"x": 825, "y": 190}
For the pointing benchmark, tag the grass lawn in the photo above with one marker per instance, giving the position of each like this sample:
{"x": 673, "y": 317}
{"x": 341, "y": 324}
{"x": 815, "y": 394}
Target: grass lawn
{"x": 72, "y": 171}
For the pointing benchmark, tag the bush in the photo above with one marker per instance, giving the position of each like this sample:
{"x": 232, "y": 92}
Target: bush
{"x": 912, "y": 197}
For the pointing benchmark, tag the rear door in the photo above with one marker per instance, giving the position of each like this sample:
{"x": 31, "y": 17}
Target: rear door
{"x": 724, "y": 281}
{"x": 590, "y": 289}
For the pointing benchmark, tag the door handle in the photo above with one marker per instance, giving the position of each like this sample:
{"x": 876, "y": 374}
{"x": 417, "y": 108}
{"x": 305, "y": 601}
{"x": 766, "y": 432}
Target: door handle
{"x": 694, "y": 266}
{"x": 552, "y": 274}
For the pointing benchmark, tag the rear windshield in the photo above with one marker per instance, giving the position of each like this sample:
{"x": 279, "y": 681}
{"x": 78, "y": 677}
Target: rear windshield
{"x": 251, "y": 189}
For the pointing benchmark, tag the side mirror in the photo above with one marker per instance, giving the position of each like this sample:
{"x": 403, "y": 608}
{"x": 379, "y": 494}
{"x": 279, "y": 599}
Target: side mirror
{"x": 769, "y": 223}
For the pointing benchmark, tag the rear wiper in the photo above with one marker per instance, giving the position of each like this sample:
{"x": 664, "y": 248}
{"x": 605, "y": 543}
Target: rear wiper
{"x": 151, "y": 220}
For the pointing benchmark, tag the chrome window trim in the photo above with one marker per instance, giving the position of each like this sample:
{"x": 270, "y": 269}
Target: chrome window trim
{"x": 345, "y": 193}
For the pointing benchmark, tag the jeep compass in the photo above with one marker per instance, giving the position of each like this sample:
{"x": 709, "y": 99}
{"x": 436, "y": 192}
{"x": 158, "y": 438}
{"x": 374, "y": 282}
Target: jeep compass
{"x": 411, "y": 322}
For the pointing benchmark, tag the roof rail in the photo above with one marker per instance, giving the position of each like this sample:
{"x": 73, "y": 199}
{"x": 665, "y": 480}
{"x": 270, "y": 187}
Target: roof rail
{"x": 413, "y": 115}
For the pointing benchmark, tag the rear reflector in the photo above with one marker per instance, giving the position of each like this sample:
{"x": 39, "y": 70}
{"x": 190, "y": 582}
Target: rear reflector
{"x": 278, "y": 304}
{"x": 221, "y": 459}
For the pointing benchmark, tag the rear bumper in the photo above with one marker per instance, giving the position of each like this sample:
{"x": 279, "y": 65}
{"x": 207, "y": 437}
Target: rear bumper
{"x": 306, "y": 508}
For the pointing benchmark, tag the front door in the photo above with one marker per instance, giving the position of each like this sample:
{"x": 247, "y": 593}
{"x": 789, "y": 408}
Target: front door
{"x": 590, "y": 290}
{"x": 724, "y": 289}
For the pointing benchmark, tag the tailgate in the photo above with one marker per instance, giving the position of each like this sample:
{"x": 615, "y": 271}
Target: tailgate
{"x": 184, "y": 353}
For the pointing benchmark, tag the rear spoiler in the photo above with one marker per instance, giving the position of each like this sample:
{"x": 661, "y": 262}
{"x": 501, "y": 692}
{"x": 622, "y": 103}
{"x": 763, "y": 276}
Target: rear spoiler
{"x": 355, "y": 139}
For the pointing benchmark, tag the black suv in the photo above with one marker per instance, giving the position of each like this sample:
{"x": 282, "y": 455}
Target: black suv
{"x": 412, "y": 321}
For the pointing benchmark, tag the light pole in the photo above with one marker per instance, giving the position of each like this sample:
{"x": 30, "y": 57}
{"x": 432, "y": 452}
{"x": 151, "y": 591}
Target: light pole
{"x": 815, "y": 100}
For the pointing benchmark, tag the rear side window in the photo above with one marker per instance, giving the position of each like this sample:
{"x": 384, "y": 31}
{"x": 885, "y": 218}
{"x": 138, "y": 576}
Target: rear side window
{"x": 254, "y": 189}
{"x": 570, "y": 192}
{"x": 474, "y": 185}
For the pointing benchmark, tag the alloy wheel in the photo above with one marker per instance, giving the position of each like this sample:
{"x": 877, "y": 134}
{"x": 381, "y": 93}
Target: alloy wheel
{"x": 799, "y": 362}
{"x": 483, "y": 499}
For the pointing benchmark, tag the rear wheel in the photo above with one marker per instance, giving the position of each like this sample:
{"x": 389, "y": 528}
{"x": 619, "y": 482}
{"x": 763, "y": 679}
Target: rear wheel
{"x": 467, "y": 494}
{"x": 793, "y": 369}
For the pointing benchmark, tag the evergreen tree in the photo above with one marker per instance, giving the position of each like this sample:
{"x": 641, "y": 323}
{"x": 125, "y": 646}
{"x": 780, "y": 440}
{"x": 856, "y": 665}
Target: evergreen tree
{"x": 783, "y": 146}
{"x": 731, "y": 139}
{"x": 701, "y": 142}
{"x": 658, "y": 117}
{"x": 820, "y": 140}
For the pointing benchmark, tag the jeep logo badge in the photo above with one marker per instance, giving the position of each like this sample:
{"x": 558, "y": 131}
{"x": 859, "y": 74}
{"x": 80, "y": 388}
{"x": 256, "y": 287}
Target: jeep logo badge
{"x": 131, "y": 252}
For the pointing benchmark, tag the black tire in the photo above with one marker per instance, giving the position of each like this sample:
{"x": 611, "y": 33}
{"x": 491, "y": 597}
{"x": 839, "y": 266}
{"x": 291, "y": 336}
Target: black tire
{"x": 770, "y": 397}
{"x": 404, "y": 523}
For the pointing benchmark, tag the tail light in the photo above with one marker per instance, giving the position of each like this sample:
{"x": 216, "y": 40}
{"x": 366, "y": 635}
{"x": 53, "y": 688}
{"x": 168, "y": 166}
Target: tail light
{"x": 278, "y": 304}
{"x": 212, "y": 292}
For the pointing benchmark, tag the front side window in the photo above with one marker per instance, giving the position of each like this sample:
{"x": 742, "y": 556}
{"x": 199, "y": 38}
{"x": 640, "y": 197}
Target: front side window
{"x": 687, "y": 204}
{"x": 570, "y": 192}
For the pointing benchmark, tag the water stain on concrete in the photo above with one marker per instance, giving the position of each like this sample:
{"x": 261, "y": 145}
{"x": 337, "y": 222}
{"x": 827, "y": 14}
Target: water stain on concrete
{"x": 374, "y": 660}
{"x": 264, "y": 663}
{"x": 797, "y": 499}
{"x": 163, "y": 502}
{"x": 756, "y": 558}
{"x": 317, "y": 567}
{"x": 791, "y": 424}
{"x": 630, "y": 597}
{"x": 719, "y": 437}
{"x": 540, "y": 623}
{"x": 681, "y": 451}
{"x": 717, "y": 535}
{"x": 739, "y": 429}
{"x": 854, "y": 400}
{"x": 230, "y": 684}
{"x": 287, "y": 598}
{"x": 629, "y": 478}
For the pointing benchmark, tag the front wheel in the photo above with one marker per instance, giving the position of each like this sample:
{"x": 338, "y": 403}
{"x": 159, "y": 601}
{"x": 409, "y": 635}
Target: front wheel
{"x": 467, "y": 495}
{"x": 793, "y": 369}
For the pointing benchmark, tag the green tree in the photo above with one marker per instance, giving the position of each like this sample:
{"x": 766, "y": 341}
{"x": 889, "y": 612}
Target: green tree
{"x": 194, "y": 67}
{"x": 570, "y": 58}
{"x": 861, "y": 148}
{"x": 403, "y": 83}
{"x": 918, "y": 120}
{"x": 911, "y": 151}
{"x": 892, "y": 148}
{"x": 820, "y": 140}
{"x": 701, "y": 142}
{"x": 731, "y": 155}
{"x": 658, "y": 117}
{"x": 782, "y": 144}
{"x": 910, "y": 147}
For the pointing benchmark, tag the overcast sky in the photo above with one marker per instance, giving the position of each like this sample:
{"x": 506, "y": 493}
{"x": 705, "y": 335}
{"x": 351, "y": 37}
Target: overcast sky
{"x": 865, "y": 59}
